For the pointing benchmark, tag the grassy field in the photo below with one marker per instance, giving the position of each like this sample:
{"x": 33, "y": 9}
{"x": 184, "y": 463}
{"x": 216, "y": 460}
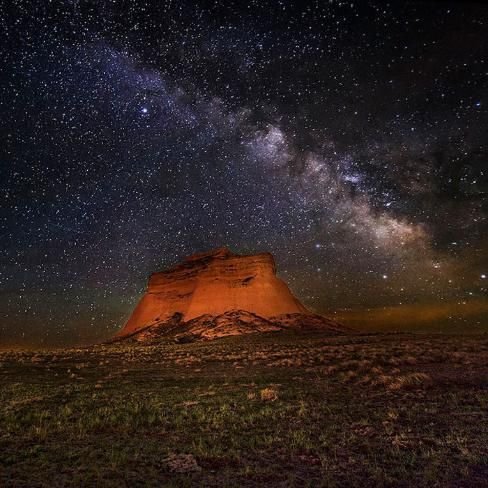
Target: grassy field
{"x": 273, "y": 410}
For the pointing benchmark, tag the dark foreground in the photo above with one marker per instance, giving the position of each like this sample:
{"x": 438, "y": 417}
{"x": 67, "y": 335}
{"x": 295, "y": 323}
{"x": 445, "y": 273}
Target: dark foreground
{"x": 278, "y": 410}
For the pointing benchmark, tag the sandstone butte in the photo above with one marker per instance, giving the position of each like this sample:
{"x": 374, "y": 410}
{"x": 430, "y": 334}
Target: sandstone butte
{"x": 218, "y": 293}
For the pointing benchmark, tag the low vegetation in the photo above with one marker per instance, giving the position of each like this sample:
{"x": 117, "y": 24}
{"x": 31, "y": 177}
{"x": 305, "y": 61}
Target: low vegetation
{"x": 267, "y": 410}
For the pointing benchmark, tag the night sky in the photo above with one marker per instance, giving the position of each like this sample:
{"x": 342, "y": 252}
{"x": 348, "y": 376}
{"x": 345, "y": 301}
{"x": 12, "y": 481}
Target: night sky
{"x": 349, "y": 139}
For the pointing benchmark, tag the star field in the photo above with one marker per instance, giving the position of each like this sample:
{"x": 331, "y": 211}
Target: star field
{"x": 349, "y": 139}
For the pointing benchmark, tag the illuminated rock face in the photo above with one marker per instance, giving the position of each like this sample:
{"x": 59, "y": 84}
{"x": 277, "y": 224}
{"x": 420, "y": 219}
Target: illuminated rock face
{"x": 212, "y": 284}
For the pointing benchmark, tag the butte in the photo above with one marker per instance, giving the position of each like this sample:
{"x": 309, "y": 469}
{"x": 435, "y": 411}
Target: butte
{"x": 216, "y": 294}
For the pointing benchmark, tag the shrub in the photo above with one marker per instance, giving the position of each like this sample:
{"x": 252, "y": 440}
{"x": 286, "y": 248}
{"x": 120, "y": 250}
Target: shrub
{"x": 269, "y": 394}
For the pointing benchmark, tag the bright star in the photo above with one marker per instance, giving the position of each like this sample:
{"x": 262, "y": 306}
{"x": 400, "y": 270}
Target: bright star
{"x": 144, "y": 110}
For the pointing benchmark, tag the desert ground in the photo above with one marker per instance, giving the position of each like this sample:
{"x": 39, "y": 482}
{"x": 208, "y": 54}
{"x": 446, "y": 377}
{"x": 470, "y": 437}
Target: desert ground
{"x": 287, "y": 409}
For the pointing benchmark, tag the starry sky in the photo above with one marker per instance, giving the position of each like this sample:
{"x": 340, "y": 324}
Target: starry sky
{"x": 349, "y": 139}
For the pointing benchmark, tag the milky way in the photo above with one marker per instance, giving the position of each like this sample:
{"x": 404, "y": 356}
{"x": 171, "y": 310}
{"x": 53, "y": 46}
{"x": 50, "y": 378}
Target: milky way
{"x": 347, "y": 138}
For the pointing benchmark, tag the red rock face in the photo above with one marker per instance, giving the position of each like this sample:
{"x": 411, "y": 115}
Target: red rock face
{"x": 213, "y": 284}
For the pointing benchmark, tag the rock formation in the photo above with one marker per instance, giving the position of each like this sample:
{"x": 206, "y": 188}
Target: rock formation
{"x": 219, "y": 293}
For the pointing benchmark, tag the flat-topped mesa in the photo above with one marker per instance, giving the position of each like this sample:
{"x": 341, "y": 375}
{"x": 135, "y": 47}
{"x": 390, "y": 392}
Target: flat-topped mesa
{"x": 213, "y": 283}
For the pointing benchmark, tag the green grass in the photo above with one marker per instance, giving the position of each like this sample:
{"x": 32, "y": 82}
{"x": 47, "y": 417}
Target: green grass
{"x": 274, "y": 410}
